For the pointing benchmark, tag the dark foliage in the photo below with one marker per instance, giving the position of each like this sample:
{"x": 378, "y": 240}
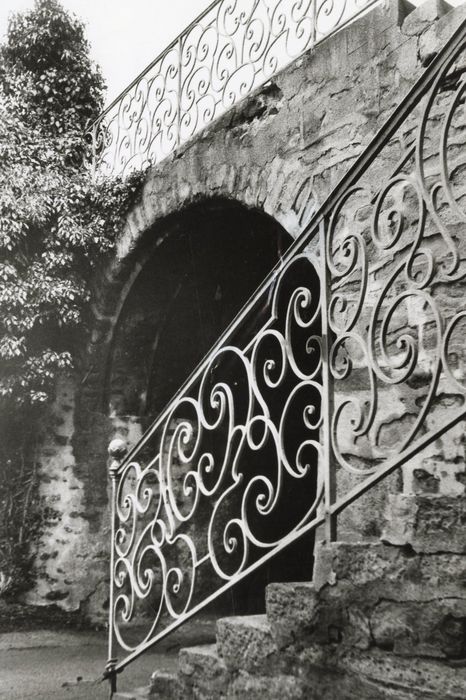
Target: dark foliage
{"x": 55, "y": 226}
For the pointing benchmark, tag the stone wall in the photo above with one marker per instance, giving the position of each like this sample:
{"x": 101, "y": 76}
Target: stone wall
{"x": 279, "y": 152}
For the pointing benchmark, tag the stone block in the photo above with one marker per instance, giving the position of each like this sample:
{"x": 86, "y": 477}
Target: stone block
{"x": 436, "y": 629}
{"x": 247, "y": 643}
{"x": 363, "y": 519}
{"x": 433, "y": 38}
{"x": 422, "y": 17}
{"x": 273, "y": 688}
{"x": 364, "y": 573}
{"x": 201, "y": 667}
{"x": 367, "y": 29}
{"x": 291, "y": 611}
{"x": 427, "y": 523}
{"x": 355, "y": 563}
{"x": 164, "y": 684}
{"x": 404, "y": 678}
{"x": 300, "y": 617}
{"x": 323, "y": 678}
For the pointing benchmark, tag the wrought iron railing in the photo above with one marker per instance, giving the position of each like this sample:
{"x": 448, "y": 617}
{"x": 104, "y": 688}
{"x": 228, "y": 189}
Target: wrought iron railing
{"x": 347, "y": 362}
{"x": 231, "y": 49}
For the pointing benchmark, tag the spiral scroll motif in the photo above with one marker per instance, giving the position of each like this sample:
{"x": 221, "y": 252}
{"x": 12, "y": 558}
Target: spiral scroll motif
{"x": 395, "y": 257}
{"x": 230, "y": 50}
{"x": 203, "y": 499}
{"x": 340, "y": 364}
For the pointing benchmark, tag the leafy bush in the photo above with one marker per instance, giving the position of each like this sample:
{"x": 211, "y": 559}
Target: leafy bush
{"x": 54, "y": 222}
{"x": 55, "y": 226}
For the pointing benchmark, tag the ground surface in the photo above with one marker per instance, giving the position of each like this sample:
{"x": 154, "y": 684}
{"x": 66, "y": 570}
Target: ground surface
{"x": 54, "y": 665}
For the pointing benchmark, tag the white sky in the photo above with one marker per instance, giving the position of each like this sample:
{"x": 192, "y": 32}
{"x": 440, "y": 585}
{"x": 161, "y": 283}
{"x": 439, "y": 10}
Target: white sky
{"x": 126, "y": 35}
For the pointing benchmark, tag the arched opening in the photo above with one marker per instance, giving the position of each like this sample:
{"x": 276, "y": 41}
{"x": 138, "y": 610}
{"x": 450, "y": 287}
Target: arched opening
{"x": 202, "y": 269}
{"x": 197, "y": 274}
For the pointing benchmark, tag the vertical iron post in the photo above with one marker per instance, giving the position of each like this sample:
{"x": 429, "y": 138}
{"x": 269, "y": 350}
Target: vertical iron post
{"x": 314, "y": 24}
{"x": 180, "y": 87}
{"x": 117, "y": 449}
{"x": 327, "y": 412}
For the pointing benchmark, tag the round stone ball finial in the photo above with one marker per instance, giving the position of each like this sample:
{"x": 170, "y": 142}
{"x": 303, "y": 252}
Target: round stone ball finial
{"x": 117, "y": 449}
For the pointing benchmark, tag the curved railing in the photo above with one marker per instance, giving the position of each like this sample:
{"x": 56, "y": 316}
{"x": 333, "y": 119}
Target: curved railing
{"x": 229, "y": 50}
{"x": 347, "y": 362}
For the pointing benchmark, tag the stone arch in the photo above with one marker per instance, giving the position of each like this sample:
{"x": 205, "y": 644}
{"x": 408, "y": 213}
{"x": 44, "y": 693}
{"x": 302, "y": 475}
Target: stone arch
{"x": 188, "y": 283}
{"x": 95, "y": 424}
{"x": 178, "y": 289}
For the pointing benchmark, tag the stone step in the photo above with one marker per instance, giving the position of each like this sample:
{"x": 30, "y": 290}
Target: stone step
{"x": 390, "y": 598}
{"x": 404, "y": 678}
{"x": 202, "y": 673}
{"x": 164, "y": 684}
{"x": 291, "y": 611}
{"x": 375, "y": 570}
{"x": 345, "y": 674}
{"x": 427, "y": 523}
{"x": 253, "y": 687}
{"x": 246, "y": 643}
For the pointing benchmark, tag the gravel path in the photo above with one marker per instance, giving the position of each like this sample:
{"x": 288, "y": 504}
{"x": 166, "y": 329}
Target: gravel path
{"x": 53, "y": 665}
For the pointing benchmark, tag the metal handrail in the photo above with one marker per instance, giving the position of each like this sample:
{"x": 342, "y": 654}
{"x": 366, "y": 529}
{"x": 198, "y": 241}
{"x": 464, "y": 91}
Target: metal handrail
{"x": 228, "y": 51}
{"x": 346, "y": 333}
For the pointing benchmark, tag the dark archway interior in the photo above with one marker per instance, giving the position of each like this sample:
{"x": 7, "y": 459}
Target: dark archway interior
{"x": 197, "y": 279}
{"x": 202, "y": 269}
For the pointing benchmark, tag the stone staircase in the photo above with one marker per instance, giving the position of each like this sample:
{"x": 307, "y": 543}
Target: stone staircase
{"x": 380, "y": 620}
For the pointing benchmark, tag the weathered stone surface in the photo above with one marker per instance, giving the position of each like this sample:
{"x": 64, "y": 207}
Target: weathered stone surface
{"x": 426, "y": 523}
{"x": 67, "y": 538}
{"x": 422, "y": 678}
{"x": 290, "y": 611}
{"x": 327, "y": 679}
{"x": 379, "y": 623}
{"x": 202, "y": 673}
{"x": 260, "y": 687}
{"x": 246, "y": 643}
{"x": 435, "y": 628}
{"x": 439, "y": 468}
{"x": 390, "y": 597}
{"x": 361, "y": 520}
{"x": 423, "y": 16}
{"x": 335, "y": 674}
{"x": 437, "y": 33}
{"x": 377, "y": 570}
{"x": 356, "y": 563}
{"x": 164, "y": 684}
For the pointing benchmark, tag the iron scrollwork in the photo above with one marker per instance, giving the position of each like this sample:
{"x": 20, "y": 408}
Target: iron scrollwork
{"x": 227, "y": 52}
{"x": 202, "y": 500}
{"x": 396, "y": 262}
{"x": 338, "y": 366}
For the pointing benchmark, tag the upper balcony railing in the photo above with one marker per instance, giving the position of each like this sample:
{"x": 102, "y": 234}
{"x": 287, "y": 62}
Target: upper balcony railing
{"x": 231, "y": 49}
